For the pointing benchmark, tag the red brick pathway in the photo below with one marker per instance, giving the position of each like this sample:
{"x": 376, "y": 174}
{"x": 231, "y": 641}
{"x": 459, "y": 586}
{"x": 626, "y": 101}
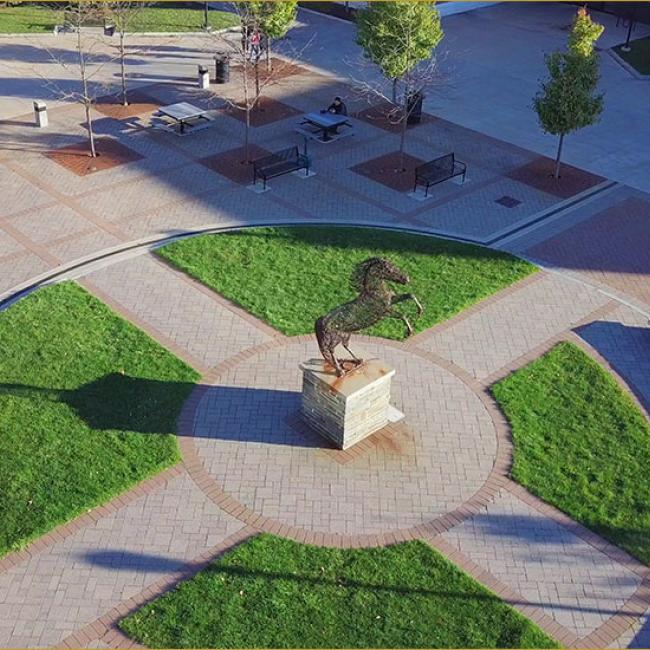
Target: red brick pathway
{"x": 612, "y": 249}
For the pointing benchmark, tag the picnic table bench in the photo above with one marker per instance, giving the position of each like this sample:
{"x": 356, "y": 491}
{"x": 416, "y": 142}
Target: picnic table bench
{"x": 278, "y": 163}
{"x": 439, "y": 170}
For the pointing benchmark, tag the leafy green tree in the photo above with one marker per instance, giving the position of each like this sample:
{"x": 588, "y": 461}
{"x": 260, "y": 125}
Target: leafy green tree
{"x": 274, "y": 18}
{"x": 400, "y": 37}
{"x": 568, "y": 101}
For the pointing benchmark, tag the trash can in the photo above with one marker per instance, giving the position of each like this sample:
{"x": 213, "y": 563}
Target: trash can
{"x": 204, "y": 77}
{"x": 109, "y": 30}
{"x": 221, "y": 68}
{"x": 40, "y": 114}
{"x": 414, "y": 107}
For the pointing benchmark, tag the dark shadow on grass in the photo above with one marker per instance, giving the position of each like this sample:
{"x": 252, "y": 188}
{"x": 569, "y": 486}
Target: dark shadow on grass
{"x": 118, "y": 402}
{"x": 127, "y": 561}
{"x": 642, "y": 637}
{"x": 627, "y": 349}
{"x": 339, "y": 237}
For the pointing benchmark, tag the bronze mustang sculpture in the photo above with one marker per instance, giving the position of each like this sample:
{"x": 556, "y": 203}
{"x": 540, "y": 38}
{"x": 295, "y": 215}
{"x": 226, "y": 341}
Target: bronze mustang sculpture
{"x": 374, "y": 302}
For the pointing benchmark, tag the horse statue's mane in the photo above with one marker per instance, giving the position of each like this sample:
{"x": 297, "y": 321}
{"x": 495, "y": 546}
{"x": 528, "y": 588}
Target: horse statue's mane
{"x": 360, "y": 271}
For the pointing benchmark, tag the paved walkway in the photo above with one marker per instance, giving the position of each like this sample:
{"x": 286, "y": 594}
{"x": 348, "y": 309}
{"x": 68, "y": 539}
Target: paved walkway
{"x": 241, "y": 474}
{"x": 441, "y": 474}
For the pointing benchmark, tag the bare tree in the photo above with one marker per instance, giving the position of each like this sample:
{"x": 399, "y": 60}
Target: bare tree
{"x": 89, "y": 60}
{"x": 124, "y": 16}
{"x": 244, "y": 51}
{"x": 398, "y": 99}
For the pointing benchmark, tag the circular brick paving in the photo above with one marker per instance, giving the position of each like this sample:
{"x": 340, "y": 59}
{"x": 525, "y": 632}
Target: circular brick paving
{"x": 249, "y": 439}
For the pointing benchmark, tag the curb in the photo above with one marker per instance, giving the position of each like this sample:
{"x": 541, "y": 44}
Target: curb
{"x": 633, "y": 72}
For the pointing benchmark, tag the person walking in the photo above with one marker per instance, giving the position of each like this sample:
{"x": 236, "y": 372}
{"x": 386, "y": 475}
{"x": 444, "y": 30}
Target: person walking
{"x": 255, "y": 49}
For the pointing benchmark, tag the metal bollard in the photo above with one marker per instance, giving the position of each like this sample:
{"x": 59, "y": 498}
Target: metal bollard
{"x": 40, "y": 114}
{"x": 204, "y": 77}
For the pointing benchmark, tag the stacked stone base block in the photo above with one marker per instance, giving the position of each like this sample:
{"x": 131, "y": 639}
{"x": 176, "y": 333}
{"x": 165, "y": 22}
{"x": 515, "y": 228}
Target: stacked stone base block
{"x": 346, "y": 409}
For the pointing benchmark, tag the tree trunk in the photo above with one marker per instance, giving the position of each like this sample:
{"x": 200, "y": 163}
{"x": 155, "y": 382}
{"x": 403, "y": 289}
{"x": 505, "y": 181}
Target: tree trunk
{"x": 247, "y": 134}
{"x": 87, "y": 100}
{"x": 394, "y": 94}
{"x": 125, "y": 100}
{"x": 206, "y": 23}
{"x": 557, "y": 158}
{"x": 402, "y": 137}
{"x": 268, "y": 55}
{"x": 247, "y": 107}
{"x": 257, "y": 80}
{"x": 89, "y": 127}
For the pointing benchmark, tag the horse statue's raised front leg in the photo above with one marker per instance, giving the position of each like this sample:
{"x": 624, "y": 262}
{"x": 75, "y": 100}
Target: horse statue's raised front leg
{"x": 408, "y": 296}
{"x": 404, "y": 319}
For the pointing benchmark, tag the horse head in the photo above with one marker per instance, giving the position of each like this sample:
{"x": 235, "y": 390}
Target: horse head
{"x": 377, "y": 268}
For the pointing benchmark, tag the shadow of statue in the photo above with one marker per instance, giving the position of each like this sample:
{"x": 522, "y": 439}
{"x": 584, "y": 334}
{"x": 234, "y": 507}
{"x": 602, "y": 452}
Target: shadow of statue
{"x": 119, "y": 402}
{"x": 116, "y": 401}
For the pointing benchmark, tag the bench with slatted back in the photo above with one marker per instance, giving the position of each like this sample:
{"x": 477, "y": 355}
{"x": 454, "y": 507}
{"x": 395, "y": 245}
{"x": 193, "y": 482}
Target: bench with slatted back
{"x": 278, "y": 163}
{"x": 438, "y": 170}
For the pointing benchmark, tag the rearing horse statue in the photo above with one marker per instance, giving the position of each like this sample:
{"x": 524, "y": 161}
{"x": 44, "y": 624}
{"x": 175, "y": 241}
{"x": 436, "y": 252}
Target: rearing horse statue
{"x": 374, "y": 302}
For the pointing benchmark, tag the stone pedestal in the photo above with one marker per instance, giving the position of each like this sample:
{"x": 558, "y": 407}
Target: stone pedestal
{"x": 346, "y": 409}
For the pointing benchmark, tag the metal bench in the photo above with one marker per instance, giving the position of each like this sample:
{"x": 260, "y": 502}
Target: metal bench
{"x": 438, "y": 170}
{"x": 278, "y": 163}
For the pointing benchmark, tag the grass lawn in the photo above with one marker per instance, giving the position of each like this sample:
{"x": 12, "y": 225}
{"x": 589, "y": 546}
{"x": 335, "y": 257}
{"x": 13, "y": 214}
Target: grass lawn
{"x": 87, "y": 406}
{"x": 19, "y": 19}
{"x": 273, "y": 593}
{"x": 582, "y": 445}
{"x": 290, "y": 276}
{"x": 639, "y": 56}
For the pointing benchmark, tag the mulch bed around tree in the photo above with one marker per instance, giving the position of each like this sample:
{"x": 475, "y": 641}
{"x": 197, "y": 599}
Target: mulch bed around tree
{"x": 139, "y": 104}
{"x": 77, "y": 159}
{"x": 266, "y": 111}
{"x": 280, "y": 69}
{"x": 387, "y": 170}
{"x": 232, "y": 163}
{"x": 539, "y": 174}
{"x": 377, "y": 115}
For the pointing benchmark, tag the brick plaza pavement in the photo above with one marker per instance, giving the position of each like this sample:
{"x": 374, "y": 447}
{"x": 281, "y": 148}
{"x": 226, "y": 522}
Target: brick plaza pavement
{"x": 441, "y": 476}
{"x": 241, "y": 474}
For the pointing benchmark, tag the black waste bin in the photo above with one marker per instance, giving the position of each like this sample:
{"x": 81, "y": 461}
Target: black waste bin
{"x": 221, "y": 69}
{"x": 414, "y": 107}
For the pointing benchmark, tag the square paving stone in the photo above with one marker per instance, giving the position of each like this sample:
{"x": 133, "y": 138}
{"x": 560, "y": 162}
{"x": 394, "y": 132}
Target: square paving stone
{"x": 280, "y": 69}
{"x": 266, "y": 111}
{"x": 377, "y": 115}
{"x": 390, "y": 171}
{"x": 77, "y": 159}
{"x": 139, "y": 104}
{"x": 539, "y": 174}
{"x": 232, "y": 163}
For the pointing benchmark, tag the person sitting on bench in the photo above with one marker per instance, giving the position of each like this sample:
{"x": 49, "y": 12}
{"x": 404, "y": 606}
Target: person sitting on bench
{"x": 337, "y": 107}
